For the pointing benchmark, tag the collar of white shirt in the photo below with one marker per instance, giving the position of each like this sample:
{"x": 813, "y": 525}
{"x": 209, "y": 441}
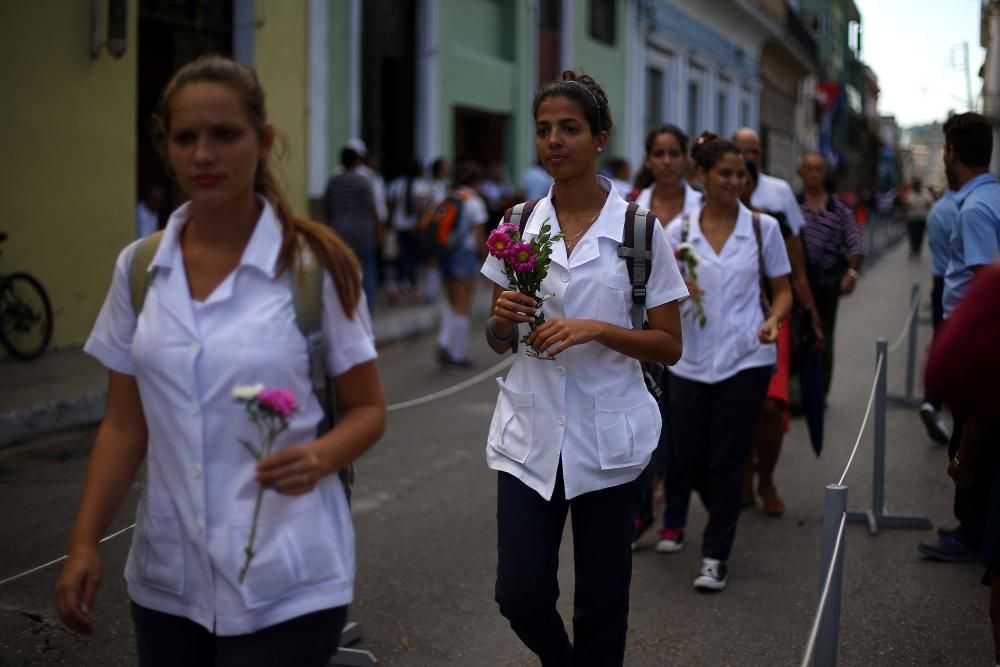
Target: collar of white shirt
{"x": 743, "y": 230}
{"x": 609, "y": 224}
{"x": 261, "y": 252}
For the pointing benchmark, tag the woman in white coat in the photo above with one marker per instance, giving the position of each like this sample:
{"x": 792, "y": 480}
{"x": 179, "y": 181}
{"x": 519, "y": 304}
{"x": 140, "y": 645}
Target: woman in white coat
{"x": 662, "y": 188}
{"x": 575, "y": 434}
{"x": 219, "y": 313}
{"x": 717, "y": 388}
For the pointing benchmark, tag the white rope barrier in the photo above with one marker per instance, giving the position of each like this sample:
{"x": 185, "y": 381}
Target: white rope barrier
{"x": 864, "y": 422}
{"x": 906, "y": 325}
{"x": 454, "y": 389}
{"x": 811, "y": 644}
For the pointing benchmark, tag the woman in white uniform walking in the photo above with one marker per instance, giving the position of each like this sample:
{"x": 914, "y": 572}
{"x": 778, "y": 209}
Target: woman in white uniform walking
{"x": 717, "y": 388}
{"x": 574, "y": 434}
{"x": 663, "y": 190}
{"x": 219, "y": 313}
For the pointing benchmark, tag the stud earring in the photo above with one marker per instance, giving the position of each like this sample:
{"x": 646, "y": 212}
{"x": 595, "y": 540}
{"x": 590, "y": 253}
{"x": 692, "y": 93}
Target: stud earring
{"x": 599, "y": 149}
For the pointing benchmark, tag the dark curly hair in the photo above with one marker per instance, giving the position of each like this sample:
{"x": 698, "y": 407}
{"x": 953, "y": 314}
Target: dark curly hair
{"x": 709, "y": 149}
{"x": 583, "y": 90}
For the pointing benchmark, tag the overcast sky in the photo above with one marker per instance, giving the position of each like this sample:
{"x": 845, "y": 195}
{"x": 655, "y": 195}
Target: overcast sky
{"x": 914, "y": 46}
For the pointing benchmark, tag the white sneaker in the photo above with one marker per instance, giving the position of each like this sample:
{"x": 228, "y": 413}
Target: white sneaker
{"x": 936, "y": 427}
{"x": 671, "y": 541}
{"x": 714, "y": 575}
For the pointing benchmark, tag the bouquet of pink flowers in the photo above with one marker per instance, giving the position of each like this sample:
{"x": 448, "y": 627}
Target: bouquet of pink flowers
{"x": 269, "y": 409}
{"x": 688, "y": 261}
{"x": 526, "y": 264}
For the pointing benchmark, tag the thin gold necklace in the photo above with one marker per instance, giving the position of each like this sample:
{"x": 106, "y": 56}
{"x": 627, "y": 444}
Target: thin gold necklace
{"x": 571, "y": 242}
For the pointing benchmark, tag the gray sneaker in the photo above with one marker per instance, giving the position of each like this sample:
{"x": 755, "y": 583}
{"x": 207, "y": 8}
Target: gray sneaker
{"x": 714, "y": 575}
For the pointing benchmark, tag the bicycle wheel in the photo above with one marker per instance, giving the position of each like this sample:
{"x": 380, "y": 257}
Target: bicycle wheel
{"x": 25, "y": 316}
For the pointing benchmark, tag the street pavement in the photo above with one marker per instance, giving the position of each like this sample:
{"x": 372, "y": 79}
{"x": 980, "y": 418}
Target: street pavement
{"x": 424, "y": 509}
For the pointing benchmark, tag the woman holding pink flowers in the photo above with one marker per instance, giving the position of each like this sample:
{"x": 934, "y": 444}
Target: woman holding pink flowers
{"x": 243, "y": 547}
{"x": 717, "y": 388}
{"x": 574, "y": 426}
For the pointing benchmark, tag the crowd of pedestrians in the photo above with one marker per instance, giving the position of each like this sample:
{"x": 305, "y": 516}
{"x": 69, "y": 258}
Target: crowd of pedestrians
{"x": 738, "y": 281}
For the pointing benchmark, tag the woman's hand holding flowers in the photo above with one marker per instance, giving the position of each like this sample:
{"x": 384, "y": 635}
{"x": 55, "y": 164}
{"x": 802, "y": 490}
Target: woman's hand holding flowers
{"x": 514, "y": 307}
{"x": 560, "y": 334}
{"x": 292, "y": 471}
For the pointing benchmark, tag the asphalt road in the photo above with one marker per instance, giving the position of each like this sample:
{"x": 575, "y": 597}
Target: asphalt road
{"x": 424, "y": 509}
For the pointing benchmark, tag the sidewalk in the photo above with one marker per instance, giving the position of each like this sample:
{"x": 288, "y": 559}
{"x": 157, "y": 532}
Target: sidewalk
{"x": 65, "y": 388}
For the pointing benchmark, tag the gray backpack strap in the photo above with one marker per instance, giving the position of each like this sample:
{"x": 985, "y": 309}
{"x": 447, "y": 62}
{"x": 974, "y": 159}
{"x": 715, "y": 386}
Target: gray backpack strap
{"x": 519, "y": 214}
{"x": 637, "y": 250}
{"x": 307, "y": 295}
{"x": 140, "y": 274}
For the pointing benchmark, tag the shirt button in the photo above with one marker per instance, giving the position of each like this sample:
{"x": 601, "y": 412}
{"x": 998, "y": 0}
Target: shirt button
{"x": 195, "y": 347}
{"x": 197, "y": 472}
{"x": 195, "y": 408}
{"x": 199, "y": 526}
{"x": 564, "y": 277}
{"x": 562, "y": 421}
{"x": 560, "y": 371}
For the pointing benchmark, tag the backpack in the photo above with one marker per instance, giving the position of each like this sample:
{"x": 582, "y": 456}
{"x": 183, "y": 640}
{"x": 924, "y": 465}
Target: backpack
{"x": 637, "y": 251}
{"x": 439, "y": 228}
{"x": 307, "y": 295}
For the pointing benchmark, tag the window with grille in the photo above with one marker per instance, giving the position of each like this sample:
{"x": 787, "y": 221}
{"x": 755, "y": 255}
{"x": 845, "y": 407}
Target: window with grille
{"x": 602, "y": 21}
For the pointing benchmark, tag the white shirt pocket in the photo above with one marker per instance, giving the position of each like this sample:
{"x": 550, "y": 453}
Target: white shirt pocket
{"x": 290, "y": 552}
{"x": 159, "y": 551}
{"x": 744, "y": 326}
{"x": 620, "y": 421}
{"x": 615, "y": 300}
{"x": 512, "y": 430}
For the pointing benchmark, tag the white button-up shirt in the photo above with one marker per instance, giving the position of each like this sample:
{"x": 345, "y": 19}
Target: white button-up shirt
{"x": 728, "y": 342}
{"x": 197, "y": 503}
{"x": 588, "y": 408}
{"x": 692, "y": 202}
{"x": 775, "y": 194}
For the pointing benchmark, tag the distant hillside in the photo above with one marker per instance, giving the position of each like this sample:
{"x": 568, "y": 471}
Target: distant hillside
{"x": 923, "y": 134}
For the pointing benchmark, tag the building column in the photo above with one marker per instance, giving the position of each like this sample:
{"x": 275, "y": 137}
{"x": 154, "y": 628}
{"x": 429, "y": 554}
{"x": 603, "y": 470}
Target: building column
{"x": 635, "y": 86}
{"x": 354, "y": 72}
{"x": 567, "y": 29}
{"x": 318, "y": 143}
{"x": 991, "y": 83}
{"x": 244, "y": 25}
{"x": 428, "y": 83}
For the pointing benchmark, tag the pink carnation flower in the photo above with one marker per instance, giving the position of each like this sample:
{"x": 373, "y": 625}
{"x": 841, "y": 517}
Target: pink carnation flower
{"x": 507, "y": 228}
{"x": 280, "y": 401}
{"x": 522, "y": 258}
{"x": 500, "y": 243}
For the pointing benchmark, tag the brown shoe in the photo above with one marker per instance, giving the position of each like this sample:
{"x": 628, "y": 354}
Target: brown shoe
{"x": 772, "y": 503}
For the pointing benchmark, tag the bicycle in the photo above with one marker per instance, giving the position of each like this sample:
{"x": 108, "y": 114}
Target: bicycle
{"x": 25, "y": 314}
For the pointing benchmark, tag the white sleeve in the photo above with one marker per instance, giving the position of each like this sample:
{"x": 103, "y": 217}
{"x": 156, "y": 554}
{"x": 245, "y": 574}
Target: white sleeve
{"x": 775, "y": 253}
{"x": 793, "y": 213}
{"x": 665, "y": 283}
{"x": 476, "y": 208}
{"x": 493, "y": 269}
{"x": 110, "y": 341}
{"x": 349, "y": 341}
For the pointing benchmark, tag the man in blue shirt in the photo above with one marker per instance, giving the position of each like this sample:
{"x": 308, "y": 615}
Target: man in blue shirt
{"x": 940, "y": 223}
{"x": 974, "y": 243}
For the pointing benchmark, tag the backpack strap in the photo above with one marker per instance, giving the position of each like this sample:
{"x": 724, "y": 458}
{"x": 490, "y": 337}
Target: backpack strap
{"x": 140, "y": 274}
{"x": 520, "y": 214}
{"x": 307, "y": 295}
{"x": 765, "y": 286}
{"x": 685, "y": 227}
{"x": 637, "y": 250}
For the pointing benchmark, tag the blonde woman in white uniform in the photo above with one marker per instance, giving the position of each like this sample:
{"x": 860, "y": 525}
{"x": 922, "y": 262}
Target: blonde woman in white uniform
{"x": 576, "y": 433}
{"x": 219, "y": 313}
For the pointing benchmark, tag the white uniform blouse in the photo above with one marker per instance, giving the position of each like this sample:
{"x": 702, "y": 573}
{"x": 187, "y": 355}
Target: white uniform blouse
{"x": 692, "y": 202}
{"x": 589, "y": 408}
{"x": 197, "y": 503}
{"x": 775, "y": 194}
{"x": 730, "y": 281}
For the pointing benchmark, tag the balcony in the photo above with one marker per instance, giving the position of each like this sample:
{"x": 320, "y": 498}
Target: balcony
{"x": 800, "y": 34}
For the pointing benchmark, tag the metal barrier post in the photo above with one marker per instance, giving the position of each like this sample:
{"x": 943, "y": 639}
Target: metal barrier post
{"x": 911, "y": 353}
{"x": 877, "y": 517}
{"x": 827, "y": 640}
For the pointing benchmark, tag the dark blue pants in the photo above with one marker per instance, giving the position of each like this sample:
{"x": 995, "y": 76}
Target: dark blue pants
{"x": 972, "y": 503}
{"x": 937, "y": 318}
{"x": 713, "y": 428}
{"x": 665, "y": 465}
{"x": 529, "y": 530}
{"x": 164, "y": 640}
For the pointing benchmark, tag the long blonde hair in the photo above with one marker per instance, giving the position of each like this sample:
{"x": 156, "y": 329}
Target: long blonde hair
{"x": 329, "y": 248}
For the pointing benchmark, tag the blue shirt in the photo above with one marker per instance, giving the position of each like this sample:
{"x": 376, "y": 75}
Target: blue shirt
{"x": 975, "y": 237}
{"x": 940, "y": 222}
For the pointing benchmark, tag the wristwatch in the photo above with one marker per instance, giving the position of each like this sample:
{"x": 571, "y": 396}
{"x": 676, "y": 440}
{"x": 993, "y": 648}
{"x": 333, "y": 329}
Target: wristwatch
{"x": 853, "y": 273}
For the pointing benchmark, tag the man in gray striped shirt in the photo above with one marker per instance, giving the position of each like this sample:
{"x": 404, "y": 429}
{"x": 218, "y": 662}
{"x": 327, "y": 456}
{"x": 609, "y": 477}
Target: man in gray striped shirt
{"x": 833, "y": 248}
{"x": 349, "y": 208}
